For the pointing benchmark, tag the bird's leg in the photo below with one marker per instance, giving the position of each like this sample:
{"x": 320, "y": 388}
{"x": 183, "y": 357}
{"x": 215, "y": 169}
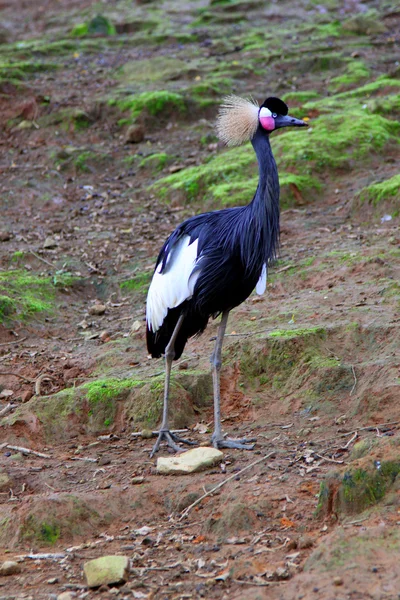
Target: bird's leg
{"x": 164, "y": 433}
{"x": 217, "y": 438}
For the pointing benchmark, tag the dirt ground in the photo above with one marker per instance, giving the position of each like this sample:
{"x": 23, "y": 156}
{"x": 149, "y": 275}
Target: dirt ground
{"x": 312, "y": 368}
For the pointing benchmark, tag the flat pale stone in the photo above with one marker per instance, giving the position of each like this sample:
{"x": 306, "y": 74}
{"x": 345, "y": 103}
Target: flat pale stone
{"x": 106, "y": 570}
{"x": 191, "y": 461}
{"x": 10, "y": 567}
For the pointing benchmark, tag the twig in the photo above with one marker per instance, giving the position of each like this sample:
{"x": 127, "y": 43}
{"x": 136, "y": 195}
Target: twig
{"x": 254, "y": 583}
{"x": 154, "y": 433}
{"x": 13, "y": 342}
{"x": 94, "y": 460}
{"x": 54, "y": 556}
{"x": 42, "y": 259}
{"x": 350, "y": 441}
{"x": 39, "y": 381}
{"x": 27, "y": 451}
{"x": 339, "y": 462}
{"x": 355, "y": 379}
{"x": 4, "y": 411}
{"x": 27, "y": 379}
{"x": 222, "y": 483}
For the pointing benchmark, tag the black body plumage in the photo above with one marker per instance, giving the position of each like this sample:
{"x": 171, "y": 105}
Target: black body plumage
{"x": 233, "y": 246}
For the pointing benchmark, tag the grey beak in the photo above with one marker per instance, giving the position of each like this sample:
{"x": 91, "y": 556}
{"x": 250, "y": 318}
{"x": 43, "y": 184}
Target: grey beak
{"x": 288, "y": 121}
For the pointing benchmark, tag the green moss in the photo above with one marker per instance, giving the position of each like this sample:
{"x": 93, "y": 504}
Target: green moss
{"x": 154, "y": 103}
{"x": 153, "y": 69}
{"x": 379, "y": 192}
{"x": 291, "y": 333}
{"x": 102, "y": 390}
{"x": 42, "y": 531}
{"x": 155, "y": 162}
{"x": 19, "y": 70}
{"x": 99, "y": 25}
{"x": 23, "y": 294}
{"x": 355, "y": 71}
{"x": 336, "y": 140}
{"x": 300, "y": 97}
{"x": 139, "y": 282}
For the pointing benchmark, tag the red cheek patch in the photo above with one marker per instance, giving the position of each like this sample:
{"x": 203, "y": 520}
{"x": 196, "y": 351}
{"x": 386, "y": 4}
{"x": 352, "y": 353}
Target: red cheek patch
{"x": 267, "y": 123}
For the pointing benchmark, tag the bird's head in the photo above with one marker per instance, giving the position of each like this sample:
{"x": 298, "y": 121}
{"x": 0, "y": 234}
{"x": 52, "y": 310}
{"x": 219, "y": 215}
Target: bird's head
{"x": 239, "y": 118}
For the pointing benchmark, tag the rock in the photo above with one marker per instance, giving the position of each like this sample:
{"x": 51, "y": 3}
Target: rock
{"x": 105, "y": 336}
{"x": 97, "y": 309}
{"x": 106, "y": 570}
{"x": 305, "y": 541}
{"x": 137, "y": 480}
{"x": 104, "y": 460}
{"x": 337, "y": 581}
{"x": 10, "y": 567}
{"x": 66, "y": 596}
{"x": 134, "y": 134}
{"x": 190, "y": 461}
{"x": 5, "y": 236}
{"x": 136, "y": 325}
{"x": 6, "y": 393}
{"x": 50, "y": 242}
{"x": 281, "y": 573}
{"x": 5, "y": 482}
{"x": 52, "y": 580}
{"x": 27, "y": 395}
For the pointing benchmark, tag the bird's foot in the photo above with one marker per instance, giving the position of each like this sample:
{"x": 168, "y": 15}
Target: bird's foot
{"x": 172, "y": 440}
{"x": 240, "y": 444}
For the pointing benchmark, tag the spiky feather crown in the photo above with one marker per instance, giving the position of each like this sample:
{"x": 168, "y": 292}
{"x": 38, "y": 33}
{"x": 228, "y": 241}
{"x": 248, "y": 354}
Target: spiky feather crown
{"x": 237, "y": 120}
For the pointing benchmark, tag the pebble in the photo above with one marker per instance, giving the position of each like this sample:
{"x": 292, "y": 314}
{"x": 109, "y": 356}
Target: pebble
{"x": 104, "y": 460}
{"x": 282, "y": 573}
{"x": 52, "y": 580}
{"x": 137, "y": 480}
{"x": 97, "y": 309}
{"x": 134, "y": 134}
{"x": 106, "y": 570}
{"x": 337, "y": 581}
{"x": 5, "y": 236}
{"x": 305, "y": 541}
{"x": 66, "y": 596}
{"x": 10, "y": 567}
{"x": 50, "y": 242}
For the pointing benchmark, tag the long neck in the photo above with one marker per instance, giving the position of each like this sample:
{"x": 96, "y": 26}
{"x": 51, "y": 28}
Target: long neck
{"x": 265, "y": 205}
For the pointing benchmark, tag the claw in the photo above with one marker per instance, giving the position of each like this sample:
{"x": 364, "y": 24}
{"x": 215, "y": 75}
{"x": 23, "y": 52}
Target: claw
{"x": 241, "y": 444}
{"x": 171, "y": 439}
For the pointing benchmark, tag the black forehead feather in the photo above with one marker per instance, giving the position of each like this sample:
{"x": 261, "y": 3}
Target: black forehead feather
{"x": 276, "y": 105}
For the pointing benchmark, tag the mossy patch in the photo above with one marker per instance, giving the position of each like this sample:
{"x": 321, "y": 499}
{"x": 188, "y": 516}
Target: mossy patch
{"x": 139, "y": 282}
{"x": 156, "y": 162}
{"x": 376, "y": 193}
{"x": 154, "y": 69}
{"x": 99, "y": 25}
{"x": 23, "y": 294}
{"x": 236, "y": 517}
{"x": 154, "y": 103}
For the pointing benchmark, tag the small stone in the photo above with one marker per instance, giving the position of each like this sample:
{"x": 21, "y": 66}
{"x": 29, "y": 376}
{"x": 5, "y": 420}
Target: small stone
{"x": 134, "y": 134}
{"x": 137, "y": 480}
{"x": 106, "y": 570}
{"x": 282, "y": 573}
{"x": 146, "y": 434}
{"x": 66, "y": 596}
{"x": 136, "y": 325}
{"x": 190, "y": 461}
{"x": 10, "y": 567}
{"x": 337, "y": 580}
{"x": 27, "y": 395}
{"x": 97, "y": 309}
{"x": 105, "y": 336}
{"x": 104, "y": 460}
{"x": 52, "y": 580}
{"x": 50, "y": 242}
{"x": 305, "y": 541}
{"x": 5, "y": 236}
{"x": 6, "y": 393}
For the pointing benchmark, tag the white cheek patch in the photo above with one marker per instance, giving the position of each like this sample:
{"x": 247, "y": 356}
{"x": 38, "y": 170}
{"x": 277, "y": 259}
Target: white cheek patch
{"x": 264, "y": 112}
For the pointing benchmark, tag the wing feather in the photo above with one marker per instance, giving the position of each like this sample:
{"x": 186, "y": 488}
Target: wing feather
{"x": 173, "y": 281}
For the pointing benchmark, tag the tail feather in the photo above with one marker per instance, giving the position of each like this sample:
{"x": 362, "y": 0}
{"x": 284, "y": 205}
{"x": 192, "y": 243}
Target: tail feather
{"x": 193, "y": 324}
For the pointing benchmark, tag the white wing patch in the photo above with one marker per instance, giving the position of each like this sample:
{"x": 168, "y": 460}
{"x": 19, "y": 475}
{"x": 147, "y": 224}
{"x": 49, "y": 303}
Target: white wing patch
{"x": 175, "y": 285}
{"x": 262, "y": 282}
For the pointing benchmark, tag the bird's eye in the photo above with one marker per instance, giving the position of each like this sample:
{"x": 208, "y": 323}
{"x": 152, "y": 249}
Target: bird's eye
{"x": 274, "y": 115}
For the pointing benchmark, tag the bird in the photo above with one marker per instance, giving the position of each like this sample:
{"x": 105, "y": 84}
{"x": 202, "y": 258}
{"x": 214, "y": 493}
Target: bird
{"x": 213, "y": 261}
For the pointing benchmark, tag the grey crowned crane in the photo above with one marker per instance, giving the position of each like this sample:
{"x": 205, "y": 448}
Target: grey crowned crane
{"x": 213, "y": 261}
